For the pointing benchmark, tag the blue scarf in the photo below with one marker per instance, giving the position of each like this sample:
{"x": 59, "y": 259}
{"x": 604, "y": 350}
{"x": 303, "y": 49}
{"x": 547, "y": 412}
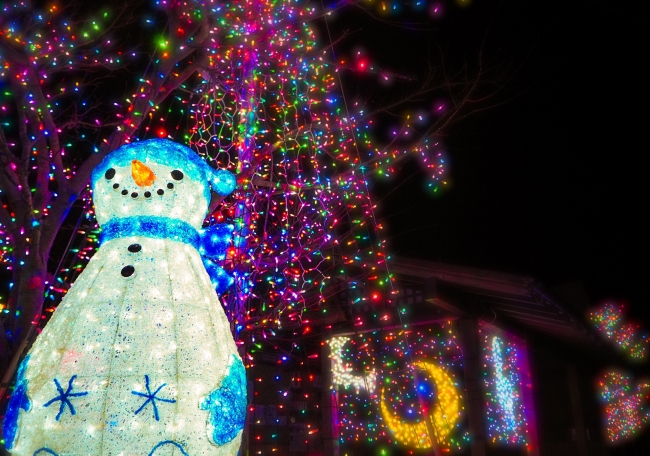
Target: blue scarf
{"x": 211, "y": 242}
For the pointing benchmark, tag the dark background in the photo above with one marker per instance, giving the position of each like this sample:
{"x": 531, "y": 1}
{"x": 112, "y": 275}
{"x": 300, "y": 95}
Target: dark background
{"x": 552, "y": 183}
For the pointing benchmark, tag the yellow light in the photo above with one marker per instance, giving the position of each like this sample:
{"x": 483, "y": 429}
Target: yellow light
{"x": 443, "y": 418}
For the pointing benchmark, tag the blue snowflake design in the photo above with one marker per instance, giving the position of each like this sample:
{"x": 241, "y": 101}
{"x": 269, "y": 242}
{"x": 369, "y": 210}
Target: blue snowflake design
{"x": 227, "y": 405}
{"x": 19, "y": 400}
{"x": 152, "y": 397}
{"x": 44, "y": 451}
{"x": 170, "y": 443}
{"x": 64, "y": 397}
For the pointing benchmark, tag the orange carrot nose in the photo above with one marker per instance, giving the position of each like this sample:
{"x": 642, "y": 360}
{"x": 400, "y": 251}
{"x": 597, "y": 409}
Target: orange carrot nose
{"x": 142, "y": 174}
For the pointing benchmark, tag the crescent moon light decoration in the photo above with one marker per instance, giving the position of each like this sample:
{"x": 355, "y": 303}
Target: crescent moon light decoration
{"x": 444, "y": 416}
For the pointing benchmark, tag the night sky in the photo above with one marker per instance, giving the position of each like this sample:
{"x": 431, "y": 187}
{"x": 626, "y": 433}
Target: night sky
{"x": 553, "y": 183}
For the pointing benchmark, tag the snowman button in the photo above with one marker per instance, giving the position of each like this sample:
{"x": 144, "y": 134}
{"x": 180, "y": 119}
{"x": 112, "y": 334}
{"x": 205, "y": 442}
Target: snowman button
{"x": 133, "y": 248}
{"x": 127, "y": 271}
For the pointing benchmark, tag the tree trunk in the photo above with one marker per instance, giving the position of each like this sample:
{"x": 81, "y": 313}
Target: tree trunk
{"x": 26, "y": 302}
{"x": 30, "y": 301}
{"x": 5, "y": 349}
{"x": 27, "y": 296}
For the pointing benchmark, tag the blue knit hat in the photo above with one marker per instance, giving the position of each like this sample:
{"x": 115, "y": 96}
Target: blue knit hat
{"x": 169, "y": 153}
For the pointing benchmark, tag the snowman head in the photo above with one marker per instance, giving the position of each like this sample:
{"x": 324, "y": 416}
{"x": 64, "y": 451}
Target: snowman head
{"x": 156, "y": 178}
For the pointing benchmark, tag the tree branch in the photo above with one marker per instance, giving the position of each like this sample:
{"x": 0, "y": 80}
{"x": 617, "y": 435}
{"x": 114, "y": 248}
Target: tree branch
{"x": 22, "y": 165}
{"x": 9, "y": 180}
{"x": 54, "y": 153}
{"x": 5, "y": 220}
{"x": 140, "y": 108}
{"x": 177, "y": 82}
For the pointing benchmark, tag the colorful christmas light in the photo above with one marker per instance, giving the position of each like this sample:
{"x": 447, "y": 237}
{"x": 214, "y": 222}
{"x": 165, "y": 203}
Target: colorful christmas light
{"x": 609, "y": 321}
{"x": 268, "y": 107}
{"x": 265, "y": 109}
{"x": 286, "y": 414}
{"x": 504, "y": 377}
{"x": 342, "y": 375}
{"x": 417, "y": 381}
{"x": 625, "y": 405}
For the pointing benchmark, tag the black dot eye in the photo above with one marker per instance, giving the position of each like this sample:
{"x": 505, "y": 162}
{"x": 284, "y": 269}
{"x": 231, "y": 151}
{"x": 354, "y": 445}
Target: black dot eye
{"x": 127, "y": 271}
{"x": 134, "y": 248}
{"x": 116, "y": 185}
{"x": 110, "y": 173}
{"x": 177, "y": 175}
{"x": 161, "y": 191}
{"x": 125, "y": 192}
{"x": 170, "y": 186}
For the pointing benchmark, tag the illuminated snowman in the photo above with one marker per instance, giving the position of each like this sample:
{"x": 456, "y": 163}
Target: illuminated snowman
{"x": 138, "y": 359}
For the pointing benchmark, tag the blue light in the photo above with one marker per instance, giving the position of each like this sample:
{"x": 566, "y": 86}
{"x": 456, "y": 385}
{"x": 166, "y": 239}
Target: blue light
{"x": 19, "y": 400}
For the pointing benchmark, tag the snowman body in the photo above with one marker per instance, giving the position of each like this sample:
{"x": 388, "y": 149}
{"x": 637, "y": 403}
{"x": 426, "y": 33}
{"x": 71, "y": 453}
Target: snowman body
{"x": 138, "y": 359}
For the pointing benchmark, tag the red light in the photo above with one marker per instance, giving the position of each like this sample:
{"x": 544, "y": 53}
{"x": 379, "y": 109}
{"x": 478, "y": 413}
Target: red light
{"x": 162, "y": 133}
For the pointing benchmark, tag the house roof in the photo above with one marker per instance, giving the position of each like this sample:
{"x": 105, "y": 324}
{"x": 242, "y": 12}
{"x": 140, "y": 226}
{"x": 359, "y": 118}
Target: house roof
{"x": 518, "y": 302}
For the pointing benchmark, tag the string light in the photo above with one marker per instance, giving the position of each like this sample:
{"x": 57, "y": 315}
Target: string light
{"x": 503, "y": 376}
{"x": 394, "y": 414}
{"x": 443, "y": 417}
{"x": 269, "y": 108}
{"x": 343, "y": 375}
{"x": 609, "y": 321}
{"x": 624, "y": 404}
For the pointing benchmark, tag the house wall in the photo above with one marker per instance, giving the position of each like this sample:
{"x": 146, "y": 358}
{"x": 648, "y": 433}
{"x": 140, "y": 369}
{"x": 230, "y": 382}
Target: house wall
{"x": 567, "y": 409}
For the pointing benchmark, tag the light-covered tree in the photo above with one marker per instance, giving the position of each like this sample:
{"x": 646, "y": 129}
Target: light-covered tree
{"x": 249, "y": 86}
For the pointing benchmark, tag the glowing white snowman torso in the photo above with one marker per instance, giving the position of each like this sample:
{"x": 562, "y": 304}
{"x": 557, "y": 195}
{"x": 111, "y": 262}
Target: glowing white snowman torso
{"x": 138, "y": 359}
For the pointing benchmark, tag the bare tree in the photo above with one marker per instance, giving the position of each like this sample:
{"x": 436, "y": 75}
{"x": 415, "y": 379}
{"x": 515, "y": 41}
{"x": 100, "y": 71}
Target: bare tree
{"x": 66, "y": 81}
